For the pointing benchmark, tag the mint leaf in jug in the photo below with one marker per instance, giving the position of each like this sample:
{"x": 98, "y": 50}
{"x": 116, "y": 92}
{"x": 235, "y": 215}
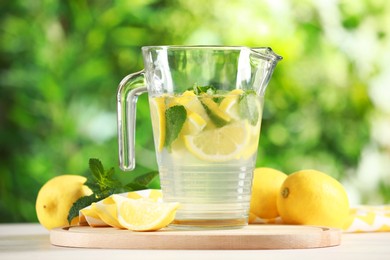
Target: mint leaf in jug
{"x": 175, "y": 117}
{"x": 248, "y": 107}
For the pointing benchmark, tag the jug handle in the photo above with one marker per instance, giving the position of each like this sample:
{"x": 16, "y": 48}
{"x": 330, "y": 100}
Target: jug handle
{"x": 129, "y": 89}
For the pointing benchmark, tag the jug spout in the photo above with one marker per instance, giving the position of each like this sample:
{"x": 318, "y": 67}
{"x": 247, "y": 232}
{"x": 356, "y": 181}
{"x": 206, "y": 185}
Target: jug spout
{"x": 265, "y": 53}
{"x": 263, "y": 61}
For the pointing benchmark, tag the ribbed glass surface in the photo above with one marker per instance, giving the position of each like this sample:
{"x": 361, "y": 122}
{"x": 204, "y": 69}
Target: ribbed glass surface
{"x": 222, "y": 192}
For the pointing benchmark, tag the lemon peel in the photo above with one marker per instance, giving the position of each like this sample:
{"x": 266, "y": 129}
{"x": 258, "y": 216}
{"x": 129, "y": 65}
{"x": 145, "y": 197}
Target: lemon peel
{"x": 56, "y": 197}
{"x": 157, "y": 112}
{"x": 311, "y": 197}
{"x": 265, "y": 190}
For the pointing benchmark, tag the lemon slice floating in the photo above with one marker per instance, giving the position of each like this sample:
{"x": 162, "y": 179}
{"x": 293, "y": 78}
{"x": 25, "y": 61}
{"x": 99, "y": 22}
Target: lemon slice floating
{"x": 229, "y": 104}
{"x": 194, "y": 124}
{"x": 144, "y": 214}
{"x": 157, "y": 112}
{"x": 192, "y": 104}
{"x": 220, "y": 144}
{"x": 214, "y": 111}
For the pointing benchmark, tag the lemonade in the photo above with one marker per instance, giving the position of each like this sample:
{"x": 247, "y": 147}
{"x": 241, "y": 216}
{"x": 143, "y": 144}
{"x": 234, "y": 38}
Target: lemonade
{"x": 206, "y": 145}
{"x": 206, "y": 106}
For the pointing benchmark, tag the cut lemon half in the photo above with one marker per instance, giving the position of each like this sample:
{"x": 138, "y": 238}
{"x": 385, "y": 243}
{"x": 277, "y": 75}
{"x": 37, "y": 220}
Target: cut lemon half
{"x": 157, "y": 114}
{"x": 220, "y": 144}
{"x": 144, "y": 214}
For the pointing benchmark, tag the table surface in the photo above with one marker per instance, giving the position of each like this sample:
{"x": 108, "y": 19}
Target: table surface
{"x": 31, "y": 241}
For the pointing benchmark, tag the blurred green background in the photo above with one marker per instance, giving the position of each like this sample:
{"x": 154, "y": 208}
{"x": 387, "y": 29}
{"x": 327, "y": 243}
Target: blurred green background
{"x": 327, "y": 106}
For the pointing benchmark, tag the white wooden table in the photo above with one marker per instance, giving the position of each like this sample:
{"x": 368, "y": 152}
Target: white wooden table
{"x": 31, "y": 241}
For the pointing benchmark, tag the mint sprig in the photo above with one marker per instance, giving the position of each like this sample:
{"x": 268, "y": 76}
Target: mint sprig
{"x": 175, "y": 117}
{"x": 209, "y": 89}
{"x": 105, "y": 180}
{"x": 248, "y": 108}
{"x": 80, "y": 204}
{"x": 104, "y": 183}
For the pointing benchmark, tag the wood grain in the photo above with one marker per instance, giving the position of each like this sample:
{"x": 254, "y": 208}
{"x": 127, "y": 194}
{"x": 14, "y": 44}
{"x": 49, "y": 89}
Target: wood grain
{"x": 249, "y": 237}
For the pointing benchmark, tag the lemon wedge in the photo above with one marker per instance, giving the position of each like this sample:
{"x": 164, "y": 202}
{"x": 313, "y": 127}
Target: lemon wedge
{"x": 144, "y": 214}
{"x": 192, "y": 104}
{"x": 194, "y": 124}
{"x": 107, "y": 212}
{"x": 229, "y": 105}
{"x": 157, "y": 113}
{"x": 220, "y": 144}
{"x": 215, "y": 111}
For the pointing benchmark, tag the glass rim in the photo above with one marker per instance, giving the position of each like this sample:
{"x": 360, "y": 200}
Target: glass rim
{"x": 258, "y": 51}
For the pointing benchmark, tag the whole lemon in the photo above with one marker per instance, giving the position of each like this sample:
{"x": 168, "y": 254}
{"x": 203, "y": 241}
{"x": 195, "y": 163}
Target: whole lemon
{"x": 56, "y": 197}
{"x": 311, "y": 197}
{"x": 265, "y": 189}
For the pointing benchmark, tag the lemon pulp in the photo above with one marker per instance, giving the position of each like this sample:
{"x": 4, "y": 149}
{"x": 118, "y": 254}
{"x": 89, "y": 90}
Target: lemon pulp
{"x": 220, "y": 144}
{"x": 144, "y": 214}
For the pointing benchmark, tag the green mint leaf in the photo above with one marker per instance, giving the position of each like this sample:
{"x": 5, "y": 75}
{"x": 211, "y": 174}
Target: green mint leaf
{"x": 80, "y": 204}
{"x": 218, "y": 99}
{"x": 110, "y": 180}
{"x": 92, "y": 185}
{"x": 109, "y": 173}
{"x": 134, "y": 187}
{"x": 104, "y": 179}
{"x": 248, "y": 108}
{"x": 210, "y": 90}
{"x": 142, "y": 181}
{"x": 146, "y": 179}
{"x": 97, "y": 169}
{"x": 175, "y": 117}
{"x": 218, "y": 121}
{"x": 103, "y": 183}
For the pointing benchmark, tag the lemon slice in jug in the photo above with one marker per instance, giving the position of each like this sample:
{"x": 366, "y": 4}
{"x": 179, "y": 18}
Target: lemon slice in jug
{"x": 229, "y": 104}
{"x": 157, "y": 113}
{"x": 220, "y": 144}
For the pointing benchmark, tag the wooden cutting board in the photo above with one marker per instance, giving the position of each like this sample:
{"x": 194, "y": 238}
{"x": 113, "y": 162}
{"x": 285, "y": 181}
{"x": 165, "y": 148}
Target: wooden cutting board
{"x": 249, "y": 237}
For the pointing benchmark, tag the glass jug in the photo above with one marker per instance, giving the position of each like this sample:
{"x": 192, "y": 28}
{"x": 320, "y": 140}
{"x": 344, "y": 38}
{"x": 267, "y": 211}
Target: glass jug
{"x": 206, "y": 107}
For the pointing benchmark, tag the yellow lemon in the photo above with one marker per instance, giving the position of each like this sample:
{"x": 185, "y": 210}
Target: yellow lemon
{"x": 157, "y": 114}
{"x": 191, "y": 103}
{"x": 252, "y": 148}
{"x": 56, "y": 197}
{"x": 144, "y": 214}
{"x": 229, "y": 105}
{"x": 220, "y": 144}
{"x": 251, "y": 218}
{"x": 106, "y": 211}
{"x": 310, "y": 197}
{"x": 193, "y": 124}
{"x": 89, "y": 216}
{"x": 214, "y": 109}
{"x": 253, "y": 142}
{"x": 265, "y": 189}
